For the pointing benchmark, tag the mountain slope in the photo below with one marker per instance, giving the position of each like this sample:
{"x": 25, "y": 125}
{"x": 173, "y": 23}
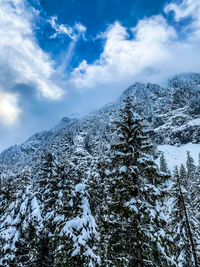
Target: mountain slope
{"x": 173, "y": 113}
{"x": 56, "y": 185}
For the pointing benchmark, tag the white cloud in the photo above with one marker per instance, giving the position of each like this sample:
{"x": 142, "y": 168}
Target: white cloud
{"x": 9, "y": 110}
{"x": 187, "y": 9}
{"x": 62, "y": 29}
{"x": 21, "y": 58}
{"x": 153, "y": 52}
{"x": 123, "y": 57}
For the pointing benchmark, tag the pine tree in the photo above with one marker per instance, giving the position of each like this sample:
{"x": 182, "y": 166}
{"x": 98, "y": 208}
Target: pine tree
{"x": 7, "y": 196}
{"x": 97, "y": 199}
{"x": 181, "y": 224}
{"x": 192, "y": 188}
{"x": 134, "y": 220}
{"x": 15, "y": 223}
{"x": 163, "y": 164}
{"x": 191, "y": 168}
{"x": 78, "y": 231}
{"x": 47, "y": 195}
{"x": 194, "y": 209}
{"x": 64, "y": 213}
{"x": 183, "y": 175}
{"x": 178, "y": 222}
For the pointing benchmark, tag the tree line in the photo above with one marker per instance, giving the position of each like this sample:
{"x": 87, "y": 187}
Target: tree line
{"x": 117, "y": 210}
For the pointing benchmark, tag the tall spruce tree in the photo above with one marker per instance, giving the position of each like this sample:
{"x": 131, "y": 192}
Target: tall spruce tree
{"x": 77, "y": 232}
{"x": 190, "y": 167}
{"x": 191, "y": 202}
{"x": 134, "y": 223}
{"x": 7, "y": 200}
{"x": 178, "y": 221}
{"x": 163, "y": 164}
{"x": 47, "y": 195}
{"x": 184, "y": 233}
{"x": 193, "y": 206}
{"x": 16, "y": 245}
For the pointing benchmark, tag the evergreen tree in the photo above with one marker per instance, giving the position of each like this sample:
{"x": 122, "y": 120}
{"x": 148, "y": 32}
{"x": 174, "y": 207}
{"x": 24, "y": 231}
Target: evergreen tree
{"x": 191, "y": 203}
{"x": 15, "y": 235}
{"x": 78, "y": 231}
{"x": 178, "y": 222}
{"x": 191, "y": 168}
{"x": 194, "y": 209}
{"x": 47, "y": 195}
{"x": 163, "y": 164}
{"x": 181, "y": 223}
{"x": 134, "y": 220}
{"x": 183, "y": 175}
{"x": 7, "y": 196}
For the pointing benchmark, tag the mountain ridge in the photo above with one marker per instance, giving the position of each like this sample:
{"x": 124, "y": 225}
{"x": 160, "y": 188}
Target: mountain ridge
{"x": 172, "y": 112}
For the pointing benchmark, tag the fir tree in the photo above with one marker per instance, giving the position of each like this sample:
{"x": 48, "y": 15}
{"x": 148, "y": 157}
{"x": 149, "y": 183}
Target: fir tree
{"x": 163, "y": 164}
{"x": 15, "y": 223}
{"x": 78, "y": 231}
{"x": 47, "y": 195}
{"x": 183, "y": 234}
{"x": 183, "y": 175}
{"x": 134, "y": 219}
{"x": 194, "y": 209}
{"x": 178, "y": 222}
{"x": 191, "y": 168}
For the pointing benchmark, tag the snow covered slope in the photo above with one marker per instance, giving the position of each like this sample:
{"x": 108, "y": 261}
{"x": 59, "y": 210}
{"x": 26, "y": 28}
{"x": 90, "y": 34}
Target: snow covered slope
{"x": 177, "y": 155}
{"x": 173, "y": 113}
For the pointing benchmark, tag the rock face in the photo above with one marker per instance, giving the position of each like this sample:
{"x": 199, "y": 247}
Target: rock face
{"x": 173, "y": 112}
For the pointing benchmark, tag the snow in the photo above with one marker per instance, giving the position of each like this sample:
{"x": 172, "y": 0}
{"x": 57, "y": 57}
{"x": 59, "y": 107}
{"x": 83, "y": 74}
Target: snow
{"x": 123, "y": 169}
{"x": 36, "y": 213}
{"x": 80, "y": 187}
{"x": 177, "y": 155}
{"x": 71, "y": 202}
{"x": 134, "y": 208}
{"x": 194, "y": 122}
{"x": 84, "y": 225}
{"x": 107, "y": 172}
{"x": 59, "y": 218}
{"x": 183, "y": 189}
{"x": 23, "y": 206}
{"x": 131, "y": 205}
{"x": 68, "y": 140}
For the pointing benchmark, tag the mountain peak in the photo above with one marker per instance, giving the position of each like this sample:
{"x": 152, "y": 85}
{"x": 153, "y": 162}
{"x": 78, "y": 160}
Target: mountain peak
{"x": 185, "y": 81}
{"x": 66, "y": 121}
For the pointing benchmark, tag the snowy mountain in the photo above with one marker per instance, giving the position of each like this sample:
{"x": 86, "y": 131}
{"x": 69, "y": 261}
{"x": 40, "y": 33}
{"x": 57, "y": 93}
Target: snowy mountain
{"x": 71, "y": 162}
{"x": 173, "y": 113}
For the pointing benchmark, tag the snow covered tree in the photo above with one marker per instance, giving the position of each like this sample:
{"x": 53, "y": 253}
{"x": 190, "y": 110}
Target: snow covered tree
{"x": 193, "y": 205}
{"x": 7, "y": 196}
{"x": 183, "y": 175}
{"x": 178, "y": 223}
{"x": 47, "y": 196}
{"x": 191, "y": 168}
{"x": 134, "y": 221}
{"x": 15, "y": 234}
{"x": 80, "y": 231}
{"x": 77, "y": 232}
{"x": 163, "y": 164}
{"x": 181, "y": 226}
{"x": 191, "y": 197}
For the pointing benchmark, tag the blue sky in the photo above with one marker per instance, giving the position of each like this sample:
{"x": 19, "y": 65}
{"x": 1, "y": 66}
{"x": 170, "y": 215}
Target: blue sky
{"x": 66, "y": 57}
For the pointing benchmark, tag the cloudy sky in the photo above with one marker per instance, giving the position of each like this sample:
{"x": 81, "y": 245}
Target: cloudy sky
{"x": 66, "y": 57}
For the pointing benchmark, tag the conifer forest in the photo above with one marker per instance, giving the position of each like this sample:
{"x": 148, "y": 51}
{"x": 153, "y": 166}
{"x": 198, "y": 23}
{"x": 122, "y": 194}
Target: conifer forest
{"x": 96, "y": 191}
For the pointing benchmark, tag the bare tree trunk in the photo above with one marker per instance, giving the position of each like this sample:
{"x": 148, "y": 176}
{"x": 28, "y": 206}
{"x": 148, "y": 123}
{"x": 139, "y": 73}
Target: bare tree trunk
{"x": 189, "y": 229}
